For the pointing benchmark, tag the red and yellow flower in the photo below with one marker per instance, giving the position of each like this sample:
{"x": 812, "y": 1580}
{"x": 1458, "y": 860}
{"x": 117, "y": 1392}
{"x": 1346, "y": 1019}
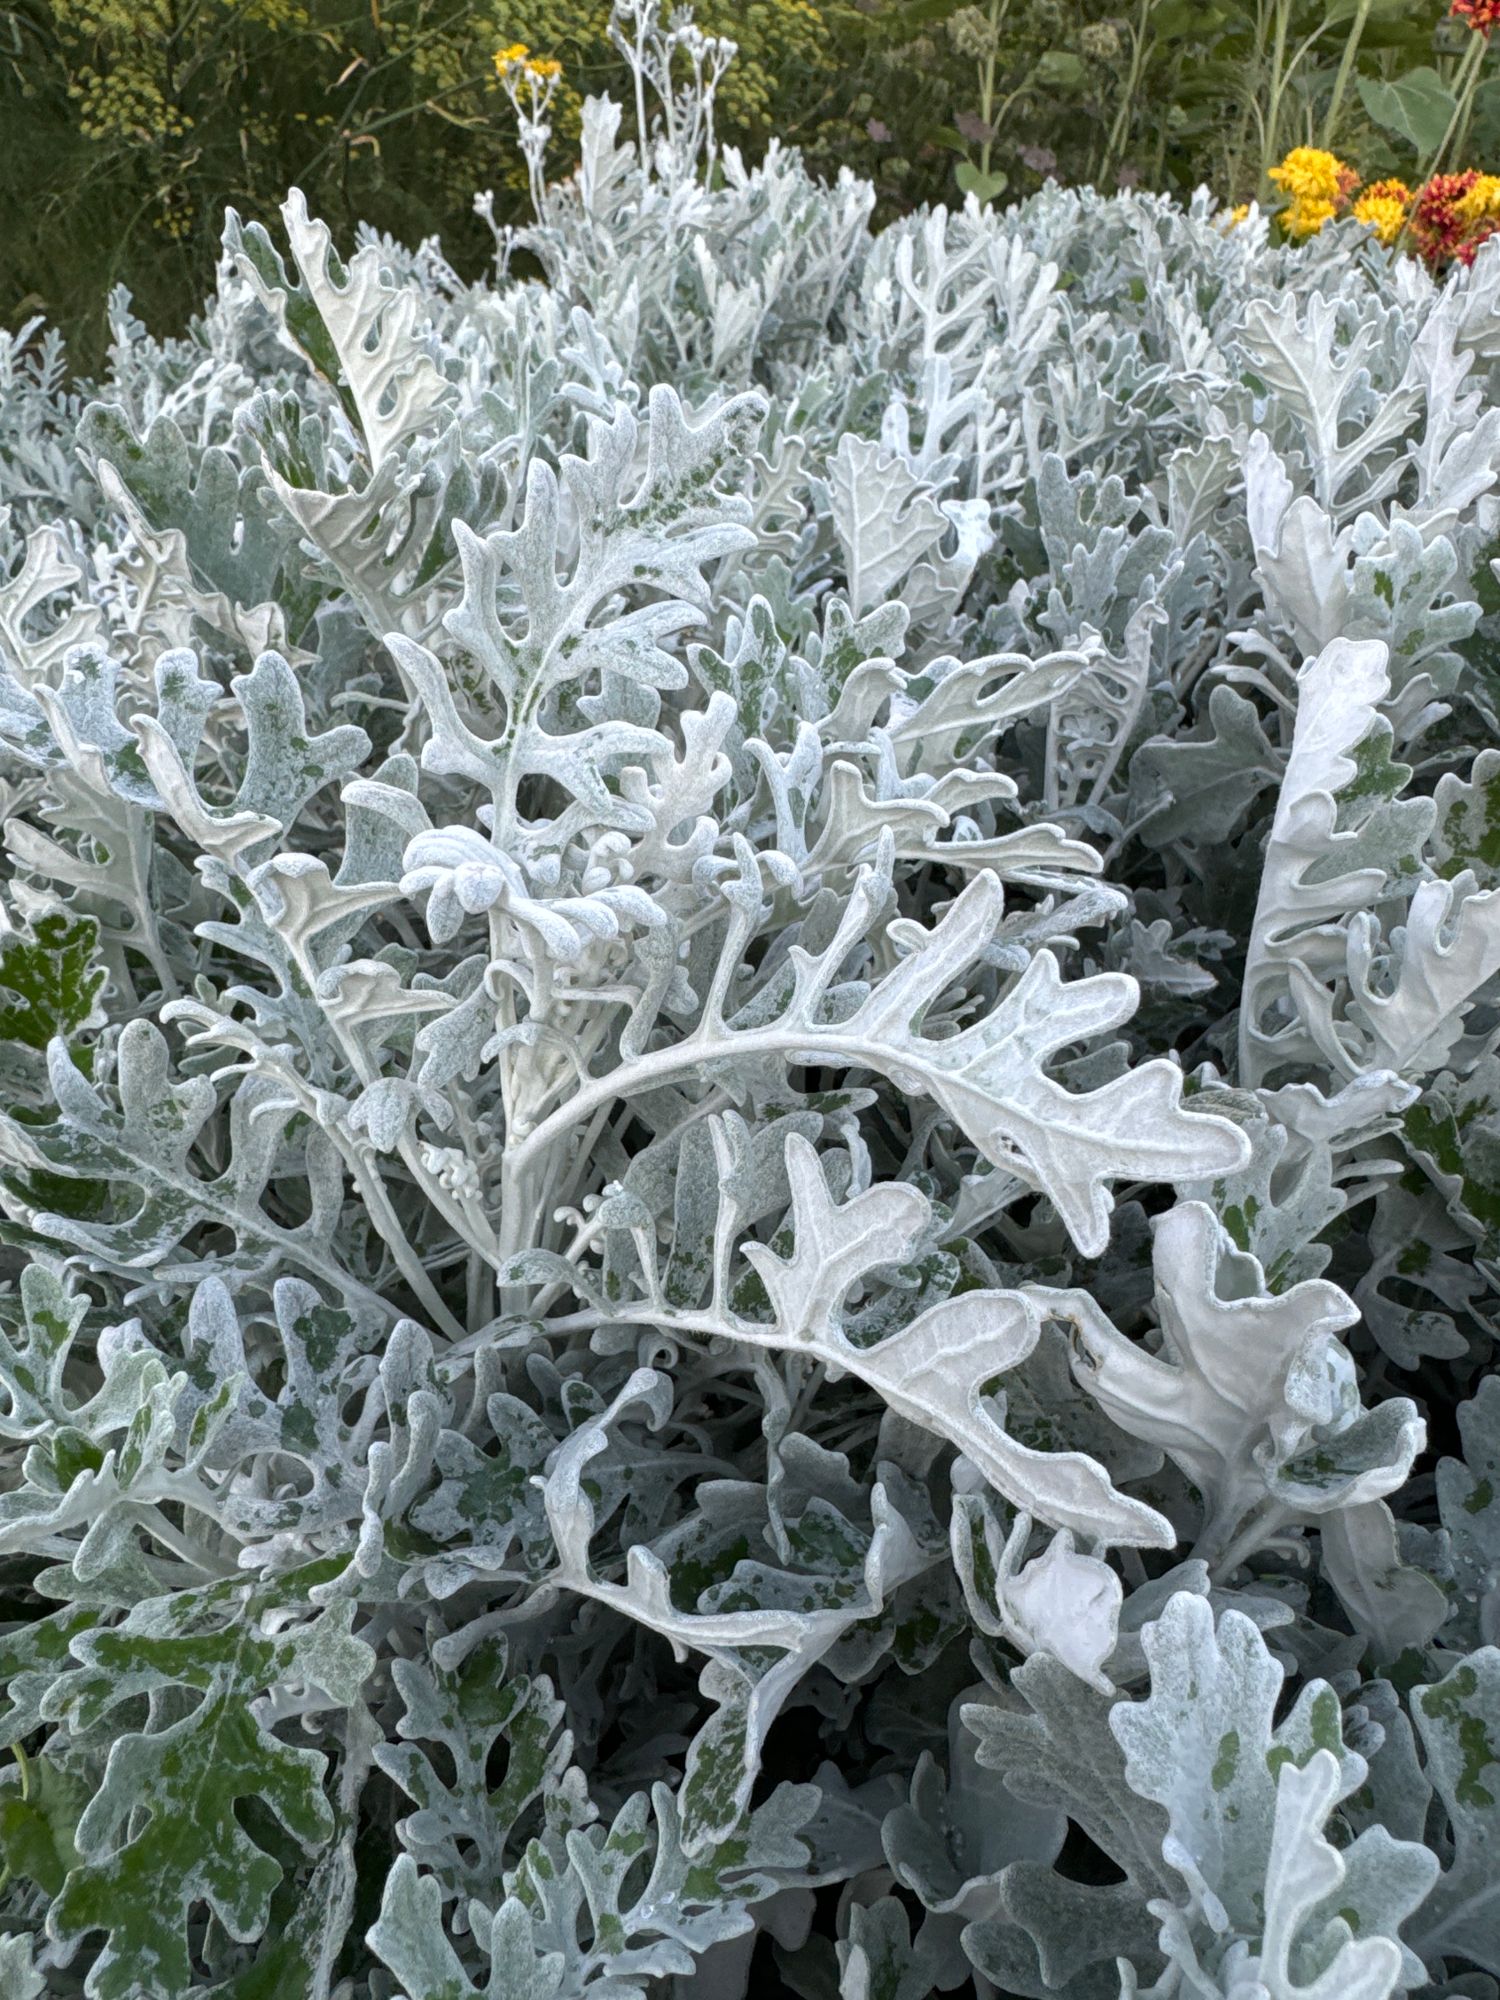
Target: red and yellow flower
{"x": 1453, "y": 214}
{"x": 1481, "y": 15}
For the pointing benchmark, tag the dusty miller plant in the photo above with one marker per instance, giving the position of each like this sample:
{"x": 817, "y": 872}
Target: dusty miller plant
{"x": 751, "y": 1110}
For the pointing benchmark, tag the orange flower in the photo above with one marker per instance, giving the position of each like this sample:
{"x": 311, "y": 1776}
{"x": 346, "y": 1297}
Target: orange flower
{"x": 1481, "y": 15}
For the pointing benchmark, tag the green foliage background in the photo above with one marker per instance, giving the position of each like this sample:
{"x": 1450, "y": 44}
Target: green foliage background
{"x": 126, "y": 126}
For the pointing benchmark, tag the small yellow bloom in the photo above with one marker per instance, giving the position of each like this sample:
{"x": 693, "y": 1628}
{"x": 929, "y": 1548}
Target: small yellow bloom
{"x": 508, "y": 58}
{"x": 1237, "y": 215}
{"x": 1481, "y": 203}
{"x": 544, "y": 67}
{"x": 1306, "y": 216}
{"x": 1310, "y": 173}
{"x": 1383, "y": 208}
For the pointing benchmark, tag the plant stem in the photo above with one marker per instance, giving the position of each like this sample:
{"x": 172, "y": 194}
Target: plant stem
{"x": 1465, "y": 82}
{"x": 1271, "y": 129}
{"x": 1345, "y": 71}
{"x": 1466, "y": 105}
{"x": 987, "y": 81}
{"x": 1234, "y": 164}
{"x": 1120, "y": 130}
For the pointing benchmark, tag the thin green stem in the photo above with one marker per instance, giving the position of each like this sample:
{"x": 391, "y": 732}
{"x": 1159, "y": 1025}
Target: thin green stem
{"x": 1465, "y": 82}
{"x": 1139, "y": 32}
{"x": 987, "y": 81}
{"x": 1345, "y": 71}
{"x": 1271, "y": 127}
{"x": 1249, "y": 104}
{"x": 1466, "y": 107}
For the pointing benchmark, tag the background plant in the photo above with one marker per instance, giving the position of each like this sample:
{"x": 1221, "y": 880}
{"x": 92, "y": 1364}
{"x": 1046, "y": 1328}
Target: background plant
{"x": 123, "y": 130}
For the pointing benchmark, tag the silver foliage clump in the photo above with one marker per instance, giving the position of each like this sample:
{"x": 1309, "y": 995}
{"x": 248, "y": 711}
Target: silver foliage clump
{"x": 751, "y": 1122}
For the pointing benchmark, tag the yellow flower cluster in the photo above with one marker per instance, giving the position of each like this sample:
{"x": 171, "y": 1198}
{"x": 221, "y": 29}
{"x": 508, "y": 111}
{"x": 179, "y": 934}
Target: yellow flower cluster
{"x": 124, "y": 104}
{"x": 1481, "y": 202}
{"x": 1319, "y": 185}
{"x": 1309, "y": 174}
{"x": 519, "y": 58}
{"x": 128, "y": 62}
{"x": 778, "y": 40}
{"x": 1384, "y": 207}
{"x": 1445, "y": 220}
{"x": 1306, "y": 216}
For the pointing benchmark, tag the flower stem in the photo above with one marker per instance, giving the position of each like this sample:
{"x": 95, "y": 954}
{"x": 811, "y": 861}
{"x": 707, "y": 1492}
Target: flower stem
{"x": 1465, "y": 82}
{"x": 1345, "y": 71}
{"x": 1271, "y": 127}
{"x": 1139, "y": 32}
